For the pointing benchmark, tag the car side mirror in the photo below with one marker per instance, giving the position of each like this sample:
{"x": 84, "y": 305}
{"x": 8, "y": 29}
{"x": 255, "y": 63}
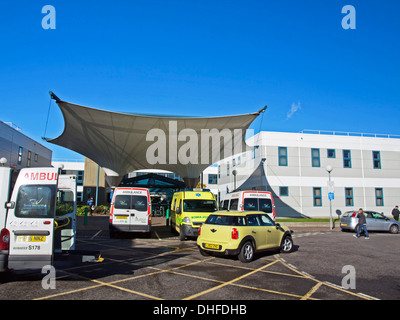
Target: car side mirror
{"x": 278, "y": 226}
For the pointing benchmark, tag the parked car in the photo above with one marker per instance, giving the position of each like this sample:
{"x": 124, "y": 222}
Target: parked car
{"x": 375, "y": 222}
{"x": 242, "y": 234}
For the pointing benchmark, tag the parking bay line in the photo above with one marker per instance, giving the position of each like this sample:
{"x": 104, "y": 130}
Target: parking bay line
{"x": 230, "y": 282}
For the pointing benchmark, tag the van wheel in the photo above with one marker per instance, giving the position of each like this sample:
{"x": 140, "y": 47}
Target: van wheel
{"x": 287, "y": 244}
{"x": 246, "y": 252}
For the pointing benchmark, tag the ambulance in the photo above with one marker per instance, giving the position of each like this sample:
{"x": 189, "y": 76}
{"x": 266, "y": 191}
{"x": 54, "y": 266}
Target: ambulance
{"x": 189, "y": 209}
{"x": 31, "y": 232}
{"x": 130, "y": 211}
{"x": 249, "y": 201}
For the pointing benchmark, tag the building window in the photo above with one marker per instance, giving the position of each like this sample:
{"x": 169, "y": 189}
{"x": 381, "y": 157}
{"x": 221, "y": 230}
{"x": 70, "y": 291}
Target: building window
{"x": 315, "y": 158}
{"x": 284, "y": 191}
{"x": 36, "y": 157}
{"x": 346, "y": 159}
{"x": 317, "y": 197}
{"x": 219, "y": 172}
{"x": 29, "y": 159}
{"x": 239, "y": 161}
{"x": 379, "y": 197}
{"x": 212, "y": 179}
{"x": 233, "y": 162}
{"x": 228, "y": 168}
{"x": 376, "y": 157}
{"x": 20, "y": 155}
{"x": 349, "y": 197}
{"x": 331, "y": 153}
{"x": 282, "y": 152}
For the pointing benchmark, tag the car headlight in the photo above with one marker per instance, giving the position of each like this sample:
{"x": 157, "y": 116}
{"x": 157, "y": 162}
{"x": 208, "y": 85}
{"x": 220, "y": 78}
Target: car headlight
{"x": 186, "y": 220}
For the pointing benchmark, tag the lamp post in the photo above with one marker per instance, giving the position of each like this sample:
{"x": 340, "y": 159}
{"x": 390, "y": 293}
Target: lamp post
{"x": 329, "y": 168}
{"x": 234, "y": 172}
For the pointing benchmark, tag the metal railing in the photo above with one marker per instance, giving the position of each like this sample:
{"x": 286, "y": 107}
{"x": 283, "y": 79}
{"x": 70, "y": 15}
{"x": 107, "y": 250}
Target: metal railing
{"x": 351, "y": 134}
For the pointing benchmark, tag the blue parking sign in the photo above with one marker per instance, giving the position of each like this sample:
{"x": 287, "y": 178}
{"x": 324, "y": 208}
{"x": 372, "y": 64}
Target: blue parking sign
{"x": 331, "y": 196}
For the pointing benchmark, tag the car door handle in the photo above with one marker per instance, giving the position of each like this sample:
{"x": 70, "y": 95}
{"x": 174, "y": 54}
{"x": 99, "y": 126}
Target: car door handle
{"x": 253, "y": 231}
{"x": 269, "y": 230}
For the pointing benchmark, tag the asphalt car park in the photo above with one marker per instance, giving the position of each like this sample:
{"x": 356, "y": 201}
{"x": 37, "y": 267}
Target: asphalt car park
{"x": 164, "y": 268}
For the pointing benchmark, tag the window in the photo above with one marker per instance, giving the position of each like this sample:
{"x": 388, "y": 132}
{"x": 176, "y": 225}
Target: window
{"x": 228, "y": 168}
{"x": 234, "y": 204}
{"x": 194, "y": 205}
{"x": 226, "y": 220}
{"x": 36, "y": 157}
{"x": 315, "y": 158}
{"x": 29, "y": 159}
{"x": 331, "y": 153}
{"x": 212, "y": 179}
{"x": 282, "y": 153}
{"x": 219, "y": 172}
{"x": 128, "y": 202}
{"x": 20, "y": 155}
{"x": 349, "y": 197}
{"x": 266, "y": 220}
{"x": 346, "y": 159}
{"x": 253, "y": 221}
{"x": 317, "y": 197}
{"x": 225, "y": 205}
{"x": 233, "y": 162}
{"x": 257, "y": 204}
{"x": 36, "y": 201}
{"x": 284, "y": 191}
{"x": 376, "y": 158}
{"x": 379, "y": 197}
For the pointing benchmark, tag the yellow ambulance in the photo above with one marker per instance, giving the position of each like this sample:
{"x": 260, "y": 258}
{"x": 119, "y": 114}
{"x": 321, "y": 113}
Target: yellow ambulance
{"x": 189, "y": 209}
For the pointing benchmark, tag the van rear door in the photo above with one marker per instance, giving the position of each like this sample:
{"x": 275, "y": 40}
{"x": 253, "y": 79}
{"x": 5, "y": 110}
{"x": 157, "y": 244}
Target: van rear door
{"x": 30, "y": 218}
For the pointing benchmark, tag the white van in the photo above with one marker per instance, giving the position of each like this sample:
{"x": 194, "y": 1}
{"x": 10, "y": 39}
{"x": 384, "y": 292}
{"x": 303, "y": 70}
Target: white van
{"x": 130, "y": 211}
{"x": 249, "y": 201}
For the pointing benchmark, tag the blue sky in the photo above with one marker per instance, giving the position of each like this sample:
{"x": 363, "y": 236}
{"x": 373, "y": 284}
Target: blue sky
{"x": 204, "y": 58}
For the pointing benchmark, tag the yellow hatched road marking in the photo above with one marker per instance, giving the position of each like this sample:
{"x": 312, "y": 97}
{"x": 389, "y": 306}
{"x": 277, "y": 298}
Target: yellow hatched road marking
{"x": 230, "y": 282}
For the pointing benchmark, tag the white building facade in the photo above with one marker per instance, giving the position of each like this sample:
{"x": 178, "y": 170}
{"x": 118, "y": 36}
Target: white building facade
{"x": 365, "y": 171}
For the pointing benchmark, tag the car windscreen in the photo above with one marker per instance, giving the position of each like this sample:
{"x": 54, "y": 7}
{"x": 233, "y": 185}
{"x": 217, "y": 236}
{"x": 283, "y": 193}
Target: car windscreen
{"x": 130, "y": 202}
{"x": 223, "y": 220}
{"x": 36, "y": 201}
{"x": 199, "y": 205}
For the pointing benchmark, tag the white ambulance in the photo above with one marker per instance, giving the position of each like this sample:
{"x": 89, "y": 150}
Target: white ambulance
{"x": 130, "y": 211}
{"x": 31, "y": 232}
{"x": 249, "y": 201}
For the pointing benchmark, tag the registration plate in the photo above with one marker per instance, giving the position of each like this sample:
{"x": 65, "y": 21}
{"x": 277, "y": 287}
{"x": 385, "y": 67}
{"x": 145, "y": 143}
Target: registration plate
{"x": 121, "y": 217}
{"x": 31, "y": 239}
{"x": 212, "y": 246}
{"x": 344, "y": 224}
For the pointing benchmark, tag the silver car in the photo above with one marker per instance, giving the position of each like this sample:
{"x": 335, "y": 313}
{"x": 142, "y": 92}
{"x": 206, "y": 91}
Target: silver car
{"x": 375, "y": 222}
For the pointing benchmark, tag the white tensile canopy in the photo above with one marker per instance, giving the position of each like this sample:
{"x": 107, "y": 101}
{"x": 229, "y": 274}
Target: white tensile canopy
{"x": 122, "y": 142}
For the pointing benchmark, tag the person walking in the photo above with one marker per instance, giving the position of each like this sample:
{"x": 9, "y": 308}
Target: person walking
{"x": 395, "y": 213}
{"x": 362, "y": 222}
{"x": 90, "y": 203}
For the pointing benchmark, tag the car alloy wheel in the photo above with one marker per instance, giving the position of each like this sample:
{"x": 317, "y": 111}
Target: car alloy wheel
{"x": 287, "y": 245}
{"x": 247, "y": 252}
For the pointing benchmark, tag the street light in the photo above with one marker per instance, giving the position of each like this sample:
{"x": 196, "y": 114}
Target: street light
{"x": 329, "y": 168}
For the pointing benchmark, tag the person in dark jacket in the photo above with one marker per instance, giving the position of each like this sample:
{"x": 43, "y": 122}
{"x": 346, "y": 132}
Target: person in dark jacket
{"x": 395, "y": 213}
{"x": 362, "y": 222}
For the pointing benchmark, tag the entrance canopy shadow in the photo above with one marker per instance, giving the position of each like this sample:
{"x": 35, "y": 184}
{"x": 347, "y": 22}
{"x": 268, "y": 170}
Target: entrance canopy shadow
{"x": 123, "y": 142}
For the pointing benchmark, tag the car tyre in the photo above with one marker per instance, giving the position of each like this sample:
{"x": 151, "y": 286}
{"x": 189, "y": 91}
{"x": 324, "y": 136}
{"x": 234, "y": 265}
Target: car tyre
{"x": 246, "y": 252}
{"x": 287, "y": 244}
{"x": 394, "y": 229}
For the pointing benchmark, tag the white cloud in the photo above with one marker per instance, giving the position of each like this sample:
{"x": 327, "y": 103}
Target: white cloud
{"x": 294, "y": 108}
